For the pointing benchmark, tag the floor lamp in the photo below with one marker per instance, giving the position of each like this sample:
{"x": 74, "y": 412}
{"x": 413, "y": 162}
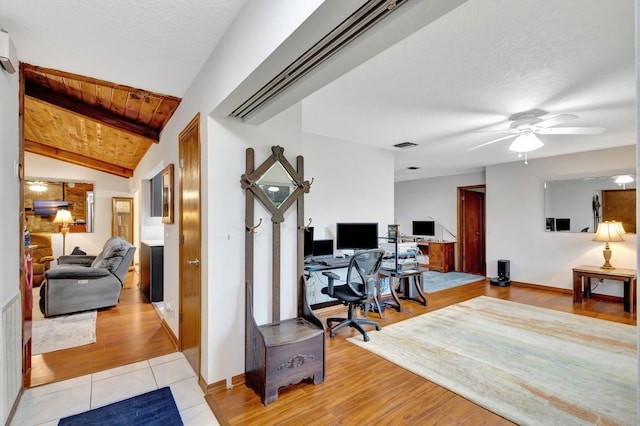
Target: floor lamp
{"x": 64, "y": 217}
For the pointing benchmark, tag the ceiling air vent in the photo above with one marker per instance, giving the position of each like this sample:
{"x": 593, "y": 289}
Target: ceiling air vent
{"x": 349, "y": 29}
{"x": 405, "y": 145}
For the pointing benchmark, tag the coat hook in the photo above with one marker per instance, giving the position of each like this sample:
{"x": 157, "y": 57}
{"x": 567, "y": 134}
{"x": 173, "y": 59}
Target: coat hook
{"x": 253, "y": 228}
{"x": 306, "y": 227}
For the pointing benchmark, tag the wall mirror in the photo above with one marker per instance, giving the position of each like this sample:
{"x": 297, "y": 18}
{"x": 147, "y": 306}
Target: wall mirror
{"x": 42, "y": 199}
{"x": 577, "y": 205}
{"x": 277, "y": 184}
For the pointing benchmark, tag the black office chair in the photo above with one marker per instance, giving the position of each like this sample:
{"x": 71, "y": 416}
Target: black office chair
{"x": 359, "y": 287}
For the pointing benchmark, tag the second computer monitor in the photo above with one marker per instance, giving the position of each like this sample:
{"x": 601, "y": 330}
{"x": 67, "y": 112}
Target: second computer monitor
{"x": 356, "y": 236}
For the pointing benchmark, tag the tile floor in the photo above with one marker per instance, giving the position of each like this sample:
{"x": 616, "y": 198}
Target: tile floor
{"x": 45, "y": 405}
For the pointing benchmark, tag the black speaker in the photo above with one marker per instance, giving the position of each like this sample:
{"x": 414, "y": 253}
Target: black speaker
{"x": 504, "y": 271}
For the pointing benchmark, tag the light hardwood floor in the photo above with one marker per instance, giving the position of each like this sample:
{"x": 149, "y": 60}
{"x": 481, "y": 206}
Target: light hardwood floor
{"x": 359, "y": 387}
{"x": 128, "y": 333}
{"x": 362, "y": 388}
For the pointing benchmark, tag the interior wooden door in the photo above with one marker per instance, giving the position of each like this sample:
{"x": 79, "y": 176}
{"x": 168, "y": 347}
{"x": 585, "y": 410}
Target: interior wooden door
{"x": 190, "y": 252}
{"x": 471, "y": 230}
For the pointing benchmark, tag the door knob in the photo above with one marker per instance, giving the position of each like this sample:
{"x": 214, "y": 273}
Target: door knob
{"x": 196, "y": 262}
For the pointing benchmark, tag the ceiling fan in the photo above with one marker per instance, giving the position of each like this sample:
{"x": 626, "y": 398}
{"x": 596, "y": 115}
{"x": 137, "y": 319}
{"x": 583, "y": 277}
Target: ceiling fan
{"x": 526, "y": 125}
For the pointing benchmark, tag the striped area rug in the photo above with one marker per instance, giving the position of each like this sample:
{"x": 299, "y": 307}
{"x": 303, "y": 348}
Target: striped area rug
{"x": 531, "y": 365}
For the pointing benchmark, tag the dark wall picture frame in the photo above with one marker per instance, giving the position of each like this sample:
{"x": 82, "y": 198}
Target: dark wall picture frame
{"x": 167, "y": 194}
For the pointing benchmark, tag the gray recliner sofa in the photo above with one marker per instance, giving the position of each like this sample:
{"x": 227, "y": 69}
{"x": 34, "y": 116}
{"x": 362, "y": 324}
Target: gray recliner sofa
{"x": 81, "y": 283}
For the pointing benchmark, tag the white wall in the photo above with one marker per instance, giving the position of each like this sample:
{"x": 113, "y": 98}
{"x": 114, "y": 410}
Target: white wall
{"x": 250, "y": 39}
{"x": 10, "y": 218}
{"x": 515, "y": 227}
{"x": 105, "y": 186}
{"x": 435, "y": 197}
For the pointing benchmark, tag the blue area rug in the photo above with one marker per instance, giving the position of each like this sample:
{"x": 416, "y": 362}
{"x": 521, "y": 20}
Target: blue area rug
{"x": 153, "y": 408}
{"x": 433, "y": 281}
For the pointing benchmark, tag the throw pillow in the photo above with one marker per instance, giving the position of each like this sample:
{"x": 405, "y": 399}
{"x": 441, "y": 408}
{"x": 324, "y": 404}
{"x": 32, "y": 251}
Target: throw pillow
{"x": 77, "y": 252}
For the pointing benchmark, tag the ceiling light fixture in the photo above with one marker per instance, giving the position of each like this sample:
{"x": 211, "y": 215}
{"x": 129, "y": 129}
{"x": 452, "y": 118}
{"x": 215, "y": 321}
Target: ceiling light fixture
{"x": 38, "y": 187}
{"x": 525, "y": 142}
{"x": 623, "y": 180}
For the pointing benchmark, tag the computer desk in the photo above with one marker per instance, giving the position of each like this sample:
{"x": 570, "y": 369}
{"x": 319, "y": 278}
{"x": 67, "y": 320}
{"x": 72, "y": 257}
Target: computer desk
{"x": 317, "y": 299}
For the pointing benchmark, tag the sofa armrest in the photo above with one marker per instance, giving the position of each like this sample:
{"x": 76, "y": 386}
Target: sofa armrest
{"x": 75, "y": 260}
{"x": 45, "y": 259}
{"x": 75, "y": 272}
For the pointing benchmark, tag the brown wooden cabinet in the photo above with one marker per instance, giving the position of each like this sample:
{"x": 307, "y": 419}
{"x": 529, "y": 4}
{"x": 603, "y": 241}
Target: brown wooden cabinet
{"x": 441, "y": 255}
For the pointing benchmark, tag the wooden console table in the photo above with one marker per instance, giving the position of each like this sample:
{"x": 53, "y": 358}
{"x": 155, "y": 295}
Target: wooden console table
{"x": 627, "y": 276}
{"x": 441, "y": 255}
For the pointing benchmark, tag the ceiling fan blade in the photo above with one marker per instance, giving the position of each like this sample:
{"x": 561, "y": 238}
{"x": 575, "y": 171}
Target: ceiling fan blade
{"x": 494, "y": 131}
{"x": 493, "y": 141}
{"x": 557, "y": 119}
{"x": 572, "y": 131}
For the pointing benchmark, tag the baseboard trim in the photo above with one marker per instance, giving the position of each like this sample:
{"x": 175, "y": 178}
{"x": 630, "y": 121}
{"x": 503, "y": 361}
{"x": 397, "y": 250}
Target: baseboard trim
{"x": 542, "y": 287}
{"x": 217, "y": 411}
{"x": 607, "y": 297}
{"x": 219, "y": 386}
{"x": 172, "y": 336}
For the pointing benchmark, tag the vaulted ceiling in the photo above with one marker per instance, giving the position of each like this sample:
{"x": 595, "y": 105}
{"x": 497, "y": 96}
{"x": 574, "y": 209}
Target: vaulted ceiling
{"x": 90, "y": 122}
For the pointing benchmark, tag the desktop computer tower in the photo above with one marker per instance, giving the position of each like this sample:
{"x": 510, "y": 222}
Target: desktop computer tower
{"x": 504, "y": 271}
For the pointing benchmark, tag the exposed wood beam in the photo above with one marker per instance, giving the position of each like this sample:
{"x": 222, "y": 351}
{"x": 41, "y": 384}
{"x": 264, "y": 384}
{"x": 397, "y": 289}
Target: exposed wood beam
{"x": 92, "y": 113}
{"x": 73, "y": 158}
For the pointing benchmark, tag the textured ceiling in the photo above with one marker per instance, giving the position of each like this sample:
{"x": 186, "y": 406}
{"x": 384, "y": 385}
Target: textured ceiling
{"x": 156, "y": 45}
{"x": 464, "y": 73}
{"x": 473, "y": 68}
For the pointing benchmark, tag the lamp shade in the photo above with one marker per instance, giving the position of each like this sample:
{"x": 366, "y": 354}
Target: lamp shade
{"x": 63, "y": 216}
{"x": 609, "y": 231}
{"x": 525, "y": 142}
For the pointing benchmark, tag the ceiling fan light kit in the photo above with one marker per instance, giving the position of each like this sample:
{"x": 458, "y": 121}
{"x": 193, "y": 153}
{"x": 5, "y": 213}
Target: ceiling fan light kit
{"x": 525, "y": 142}
{"x": 525, "y": 126}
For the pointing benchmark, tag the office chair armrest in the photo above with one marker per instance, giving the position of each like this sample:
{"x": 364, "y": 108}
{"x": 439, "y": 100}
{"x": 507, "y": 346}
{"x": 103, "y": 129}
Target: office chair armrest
{"x": 332, "y": 277}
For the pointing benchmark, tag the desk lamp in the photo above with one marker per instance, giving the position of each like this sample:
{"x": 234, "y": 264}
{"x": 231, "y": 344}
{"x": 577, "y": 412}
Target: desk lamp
{"x": 64, "y": 217}
{"x": 608, "y": 231}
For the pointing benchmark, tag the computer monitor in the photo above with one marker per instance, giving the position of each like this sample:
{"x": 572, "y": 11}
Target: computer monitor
{"x": 308, "y": 241}
{"x": 322, "y": 248}
{"x": 356, "y": 236}
{"x": 563, "y": 224}
{"x": 425, "y": 228}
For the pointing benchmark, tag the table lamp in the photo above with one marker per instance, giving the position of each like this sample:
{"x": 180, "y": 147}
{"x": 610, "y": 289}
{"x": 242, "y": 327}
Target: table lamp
{"x": 608, "y": 231}
{"x": 64, "y": 217}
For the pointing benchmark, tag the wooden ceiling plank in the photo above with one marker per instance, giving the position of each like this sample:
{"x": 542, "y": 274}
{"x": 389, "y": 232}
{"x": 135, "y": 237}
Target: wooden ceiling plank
{"x": 92, "y": 113}
{"x": 148, "y": 109}
{"x": 133, "y": 105}
{"x": 164, "y": 112}
{"x": 73, "y": 89}
{"x": 119, "y": 101}
{"x": 104, "y": 97}
{"x": 89, "y": 90}
{"x": 56, "y": 84}
{"x": 71, "y": 157}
